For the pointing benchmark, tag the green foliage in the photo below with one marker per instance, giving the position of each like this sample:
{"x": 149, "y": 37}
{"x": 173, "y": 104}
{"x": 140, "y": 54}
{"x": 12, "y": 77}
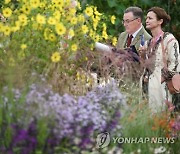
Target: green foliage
{"x": 117, "y": 7}
{"x": 43, "y": 132}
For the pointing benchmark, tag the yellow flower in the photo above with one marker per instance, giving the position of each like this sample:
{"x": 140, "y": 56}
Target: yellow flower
{"x": 23, "y": 23}
{"x": 52, "y": 37}
{"x": 79, "y": 5}
{"x": 6, "y": 30}
{"x": 60, "y": 29}
{"x": 7, "y": 1}
{"x": 53, "y": 1}
{"x": 96, "y": 39}
{"x": 7, "y": 12}
{"x": 25, "y": 1}
{"x": 114, "y": 41}
{"x": 96, "y": 12}
{"x": 73, "y": 20}
{"x": 34, "y": 3}
{"x": 91, "y": 33}
{"x": 104, "y": 26}
{"x": 86, "y": 58}
{"x": 83, "y": 78}
{"x": 84, "y": 29}
{"x": 89, "y": 11}
{"x": 67, "y": 2}
{"x": 51, "y": 21}
{"x": 74, "y": 47}
{"x": 78, "y": 76}
{"x": 113, "y": 18}
{"x": 71, "y": 32}
{"x": 81, "y": 18}
{"x": 40, "y": 19}
{"x": 26, "y": 9}
{"x": 57, "y": 15}
{"x": 23, "y": 19}
{"x": 42, "y": 5}
{"x": 18, "y": 23}
{"x": 1, "y": 27}
{"x": 55, "y": 57}
{"x": 104, "y": 35}
{"x": 23, "y": 46}
{"x": 15, "y": 28}
{"x": 58, "y": 3}
{"x": 72, "y": 12}
{"x": 95, "y": 23}
{"x": 96, "y": 18}
{"x": 47, "y": 31}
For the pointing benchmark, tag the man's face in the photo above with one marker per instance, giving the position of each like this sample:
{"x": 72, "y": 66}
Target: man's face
{"x": 131, "y": 23}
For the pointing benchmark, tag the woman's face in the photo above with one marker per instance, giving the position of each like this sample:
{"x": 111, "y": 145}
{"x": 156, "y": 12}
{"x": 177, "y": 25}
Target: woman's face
{"x": 151, "y": 21}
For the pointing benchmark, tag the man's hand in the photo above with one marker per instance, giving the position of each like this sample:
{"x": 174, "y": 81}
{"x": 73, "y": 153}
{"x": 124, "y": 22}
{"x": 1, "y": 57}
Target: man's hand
{"x": 142, "y": 52}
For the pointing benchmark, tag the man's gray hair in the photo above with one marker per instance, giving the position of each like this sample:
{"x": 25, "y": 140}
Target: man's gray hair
{"x": 137, "y": 12}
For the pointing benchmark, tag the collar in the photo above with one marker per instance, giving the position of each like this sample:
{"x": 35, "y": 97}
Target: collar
{"x": 134, "y": 34}
{"x": 157, "y": 38}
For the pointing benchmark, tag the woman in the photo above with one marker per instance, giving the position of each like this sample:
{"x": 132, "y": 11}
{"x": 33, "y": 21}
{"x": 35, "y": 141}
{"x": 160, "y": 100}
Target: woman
{"x": 155, "y": 73}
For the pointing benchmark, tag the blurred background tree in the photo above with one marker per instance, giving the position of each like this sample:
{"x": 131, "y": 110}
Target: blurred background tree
{"x": 117, "y": 7}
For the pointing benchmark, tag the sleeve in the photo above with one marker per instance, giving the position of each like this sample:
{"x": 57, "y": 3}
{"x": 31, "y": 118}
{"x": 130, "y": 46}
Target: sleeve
{"x": 173, "y": 58}
{"x": 119, "y": 42}
{"x": 173, "y": 55}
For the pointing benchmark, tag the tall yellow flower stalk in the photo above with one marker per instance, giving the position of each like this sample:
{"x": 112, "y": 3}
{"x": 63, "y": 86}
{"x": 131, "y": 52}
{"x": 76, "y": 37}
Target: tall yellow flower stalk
{"x": 48, "y": 26}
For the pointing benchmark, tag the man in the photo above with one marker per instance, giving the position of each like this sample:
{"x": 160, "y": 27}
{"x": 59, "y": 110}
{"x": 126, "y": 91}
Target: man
{"x": 134, "y": 30}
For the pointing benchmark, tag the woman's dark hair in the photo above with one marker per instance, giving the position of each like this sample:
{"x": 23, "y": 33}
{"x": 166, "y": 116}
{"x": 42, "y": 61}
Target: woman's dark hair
{"x": 160, "y": 14}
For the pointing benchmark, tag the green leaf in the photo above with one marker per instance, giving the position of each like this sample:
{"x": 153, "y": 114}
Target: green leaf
{"x": 42, "y": 131}
{"x": 120, "y": 9}
{"x": 111, "y": 3}
{"x": 8, "y": 135}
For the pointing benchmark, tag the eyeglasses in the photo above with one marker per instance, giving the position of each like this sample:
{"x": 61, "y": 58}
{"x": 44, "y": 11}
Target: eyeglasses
{"x": 128, "y": 21}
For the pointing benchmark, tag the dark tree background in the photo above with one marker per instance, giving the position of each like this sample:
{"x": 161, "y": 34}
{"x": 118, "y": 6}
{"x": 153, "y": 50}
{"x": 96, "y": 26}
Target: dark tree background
{"x": 117, "y": 7}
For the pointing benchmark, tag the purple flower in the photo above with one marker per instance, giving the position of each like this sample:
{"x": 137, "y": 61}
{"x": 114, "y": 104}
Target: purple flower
{"x": 87, "y": 130}
{"x": 24, "y": 138}
{"x": 176, "y": 126}
{"x": 85, "y": 142}
{"x": 68, "y": 116}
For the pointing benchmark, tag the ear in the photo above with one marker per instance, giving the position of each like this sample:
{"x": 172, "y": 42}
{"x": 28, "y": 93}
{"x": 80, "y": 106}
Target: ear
{"x": 160, "y": 21}
{"x": 139, "y": 19}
